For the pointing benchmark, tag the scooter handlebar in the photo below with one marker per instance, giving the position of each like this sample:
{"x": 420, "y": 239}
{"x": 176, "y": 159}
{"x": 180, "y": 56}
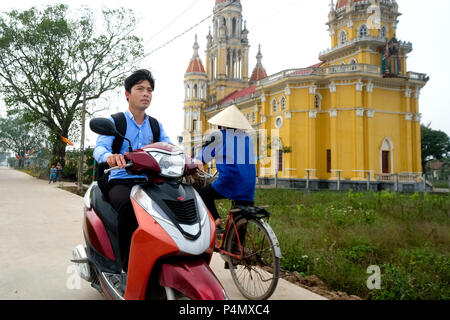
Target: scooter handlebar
{"x": 129, "y": 164}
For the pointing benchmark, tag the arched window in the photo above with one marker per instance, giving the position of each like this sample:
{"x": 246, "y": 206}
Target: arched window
{"x": 233, "y": 26}
{"x": 353, "y": 63}
{"x": 383, "y": 32}
{"x": 317, "y": 101}
{"x": 274, "y": 105}
{"x": 283, "y": 104}
{"x": 342, "y": 37}
{"x": 195, "y": 91}
{"x": 188, "y": 92}
{"x": 363, "y": 31}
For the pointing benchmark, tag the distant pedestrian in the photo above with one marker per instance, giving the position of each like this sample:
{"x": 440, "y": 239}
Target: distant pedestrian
{"x": 53, "y": 174}
{"x": 59, "y": 172}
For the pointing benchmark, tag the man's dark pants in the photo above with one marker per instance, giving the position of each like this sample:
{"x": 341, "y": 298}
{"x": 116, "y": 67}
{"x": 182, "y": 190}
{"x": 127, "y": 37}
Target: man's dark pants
{"x": 119, "y": 197}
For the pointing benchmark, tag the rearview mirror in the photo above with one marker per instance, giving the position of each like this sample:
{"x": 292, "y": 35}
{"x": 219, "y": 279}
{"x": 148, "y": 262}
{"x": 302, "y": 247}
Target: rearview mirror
{"x": 103, "y": 126}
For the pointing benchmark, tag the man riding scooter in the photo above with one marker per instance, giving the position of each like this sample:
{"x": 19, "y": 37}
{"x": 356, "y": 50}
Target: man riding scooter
{"x": 141, "y": 130}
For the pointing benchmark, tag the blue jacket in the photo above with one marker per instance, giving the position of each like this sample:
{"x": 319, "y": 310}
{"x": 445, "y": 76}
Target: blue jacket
{"x": 235, "y": 162}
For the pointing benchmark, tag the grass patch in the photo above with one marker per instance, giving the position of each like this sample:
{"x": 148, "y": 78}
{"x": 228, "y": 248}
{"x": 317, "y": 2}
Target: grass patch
{"x": 74, "y": 190}
{"x": 337, "y": 236}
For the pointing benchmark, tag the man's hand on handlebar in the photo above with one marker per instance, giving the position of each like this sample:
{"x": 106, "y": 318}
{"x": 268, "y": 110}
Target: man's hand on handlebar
{"x": 116, "y": 160}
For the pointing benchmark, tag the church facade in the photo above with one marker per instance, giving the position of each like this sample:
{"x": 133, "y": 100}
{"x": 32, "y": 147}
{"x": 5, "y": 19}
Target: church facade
{"x": 350, "y": 121}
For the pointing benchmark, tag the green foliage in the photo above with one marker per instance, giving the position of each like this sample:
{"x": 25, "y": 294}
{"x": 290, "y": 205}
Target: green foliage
{"x": 435, "y": 144}
{"x": 337, "y": 236}
{"x": 421, "y": 274}
{"x": 48, "y": 57}
{"x": 20, "y": 136}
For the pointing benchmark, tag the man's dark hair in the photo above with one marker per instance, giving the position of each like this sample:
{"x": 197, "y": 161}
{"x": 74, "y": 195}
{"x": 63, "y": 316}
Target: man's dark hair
{"x": 137, "y": 77}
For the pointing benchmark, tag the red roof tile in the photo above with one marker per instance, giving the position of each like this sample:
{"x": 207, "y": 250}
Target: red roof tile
{"x": 258, "y": 74}
{"x": 238, "y": 94}
{"x": 195, "y": 66}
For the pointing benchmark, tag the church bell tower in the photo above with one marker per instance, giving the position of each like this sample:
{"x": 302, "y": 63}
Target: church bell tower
{"x": 227, "y": 51}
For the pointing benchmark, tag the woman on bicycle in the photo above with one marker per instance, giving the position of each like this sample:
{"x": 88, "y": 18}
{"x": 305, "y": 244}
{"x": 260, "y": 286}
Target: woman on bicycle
{"x": 233, "y": 151}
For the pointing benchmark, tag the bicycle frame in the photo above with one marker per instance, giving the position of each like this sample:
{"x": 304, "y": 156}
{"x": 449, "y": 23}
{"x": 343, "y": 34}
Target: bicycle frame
{"x": 219, "y": 246}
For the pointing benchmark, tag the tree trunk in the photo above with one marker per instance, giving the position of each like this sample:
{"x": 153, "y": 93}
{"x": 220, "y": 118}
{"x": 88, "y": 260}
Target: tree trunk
{"x": 59, "y": 152}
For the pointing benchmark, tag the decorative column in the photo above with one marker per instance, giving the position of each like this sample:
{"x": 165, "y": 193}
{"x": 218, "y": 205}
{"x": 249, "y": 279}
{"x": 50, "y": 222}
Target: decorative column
{"x": 312, "y": 132}
{"x": 371, "y": 146}
{"x": 289, "y": 129}
{"x": 334, "y": 131}
{"x": 359, "y": 130}
{"x": 408, "y": 136}
{"x": 417, "y": 141}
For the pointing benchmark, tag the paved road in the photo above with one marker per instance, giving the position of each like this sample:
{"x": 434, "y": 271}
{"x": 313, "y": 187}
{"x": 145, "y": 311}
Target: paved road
{"x": 39, "y": 226}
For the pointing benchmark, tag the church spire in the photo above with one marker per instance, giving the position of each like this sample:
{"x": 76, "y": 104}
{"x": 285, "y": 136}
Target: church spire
{"x": 258, "y": 72}
{"x": 195, "y": 64}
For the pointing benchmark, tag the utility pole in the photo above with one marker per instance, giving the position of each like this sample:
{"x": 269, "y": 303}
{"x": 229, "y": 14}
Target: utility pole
{"x": 81, "y": 158}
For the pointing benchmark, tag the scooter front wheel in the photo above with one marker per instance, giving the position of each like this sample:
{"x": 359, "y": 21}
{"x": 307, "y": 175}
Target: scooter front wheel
{"x": 172, "y": 294}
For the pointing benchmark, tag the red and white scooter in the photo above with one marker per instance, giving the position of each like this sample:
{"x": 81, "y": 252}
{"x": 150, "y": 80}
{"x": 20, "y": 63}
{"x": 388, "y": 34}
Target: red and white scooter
{"x": 173, "y": 245}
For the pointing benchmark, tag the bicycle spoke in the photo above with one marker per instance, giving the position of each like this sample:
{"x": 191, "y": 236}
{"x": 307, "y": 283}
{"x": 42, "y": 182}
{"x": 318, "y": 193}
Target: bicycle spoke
{"x": 256, "y": 273}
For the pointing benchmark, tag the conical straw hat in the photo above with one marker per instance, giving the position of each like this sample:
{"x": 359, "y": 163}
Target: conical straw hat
{"x": 231, "y": 117}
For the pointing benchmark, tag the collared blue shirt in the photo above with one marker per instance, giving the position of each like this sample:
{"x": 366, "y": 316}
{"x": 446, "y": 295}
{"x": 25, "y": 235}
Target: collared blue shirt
{"x": 139, "y": 135}
{"x": 235, "y": 162}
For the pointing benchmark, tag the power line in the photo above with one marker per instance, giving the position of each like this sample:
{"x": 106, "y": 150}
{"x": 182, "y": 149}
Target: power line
{"x": 293, "y": 3}
{"x": 186, "y": 31}
{"x": 175, "y": 19}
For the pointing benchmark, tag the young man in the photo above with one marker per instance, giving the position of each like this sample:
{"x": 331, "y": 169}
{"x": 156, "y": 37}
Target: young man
{"x": 138, "y": 91}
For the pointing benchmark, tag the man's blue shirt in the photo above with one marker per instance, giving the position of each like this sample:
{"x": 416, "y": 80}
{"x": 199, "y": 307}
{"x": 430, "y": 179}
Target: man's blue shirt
{"x": 140, "y": 136}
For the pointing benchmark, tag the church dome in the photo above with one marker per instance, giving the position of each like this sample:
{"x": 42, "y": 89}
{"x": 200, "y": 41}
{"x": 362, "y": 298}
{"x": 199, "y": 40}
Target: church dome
{"x": 196, "y": 65}
{"x": 258, "y": 72}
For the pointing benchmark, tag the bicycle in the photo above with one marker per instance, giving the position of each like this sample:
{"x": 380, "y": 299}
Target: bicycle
{"x": 250, "y": 249}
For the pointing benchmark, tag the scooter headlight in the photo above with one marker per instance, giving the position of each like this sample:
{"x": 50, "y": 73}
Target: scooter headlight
{"x": 171, "y": 164}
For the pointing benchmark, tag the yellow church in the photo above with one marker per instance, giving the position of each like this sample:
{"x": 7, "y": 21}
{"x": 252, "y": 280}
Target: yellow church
{"x": 350, "y": 121}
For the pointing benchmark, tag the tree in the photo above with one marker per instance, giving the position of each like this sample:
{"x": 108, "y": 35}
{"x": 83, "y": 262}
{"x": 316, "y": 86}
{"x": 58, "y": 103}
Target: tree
{"x": 435, "y": 144}
{"x": 21, "y": 137}
{"x": 47, "y": 59}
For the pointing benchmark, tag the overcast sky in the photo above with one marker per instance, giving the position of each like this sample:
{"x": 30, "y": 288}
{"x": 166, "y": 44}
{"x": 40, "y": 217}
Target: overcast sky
{"x": 291, "y": 33}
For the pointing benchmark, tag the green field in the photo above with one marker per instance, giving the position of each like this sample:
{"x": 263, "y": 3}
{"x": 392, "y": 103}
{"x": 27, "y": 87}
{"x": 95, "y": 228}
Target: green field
{"x": 337, "y": 236}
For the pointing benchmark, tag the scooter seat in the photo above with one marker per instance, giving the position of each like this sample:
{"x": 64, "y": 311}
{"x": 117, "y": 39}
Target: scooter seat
{"x": 104, "y": 209}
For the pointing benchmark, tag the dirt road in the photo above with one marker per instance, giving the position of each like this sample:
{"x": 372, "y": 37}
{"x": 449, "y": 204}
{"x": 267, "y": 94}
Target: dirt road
{"x": 40, "y": 224}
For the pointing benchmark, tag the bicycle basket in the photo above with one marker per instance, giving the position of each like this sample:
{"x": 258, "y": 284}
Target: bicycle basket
{"x": 199, "y": 179}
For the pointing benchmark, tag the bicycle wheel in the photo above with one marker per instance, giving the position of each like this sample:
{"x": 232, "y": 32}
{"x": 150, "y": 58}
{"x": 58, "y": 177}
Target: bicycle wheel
{"x": 256, "y": 273}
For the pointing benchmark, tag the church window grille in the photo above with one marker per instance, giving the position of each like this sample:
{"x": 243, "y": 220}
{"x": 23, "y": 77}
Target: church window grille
{"x": 343, "y": 37}
{"x": 363, "y": 31}
{"x": 317, "y": 101}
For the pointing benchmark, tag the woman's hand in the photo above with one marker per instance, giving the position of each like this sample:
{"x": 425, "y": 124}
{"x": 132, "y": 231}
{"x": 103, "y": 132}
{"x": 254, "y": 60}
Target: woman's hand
{"x": 200, "y": 165}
